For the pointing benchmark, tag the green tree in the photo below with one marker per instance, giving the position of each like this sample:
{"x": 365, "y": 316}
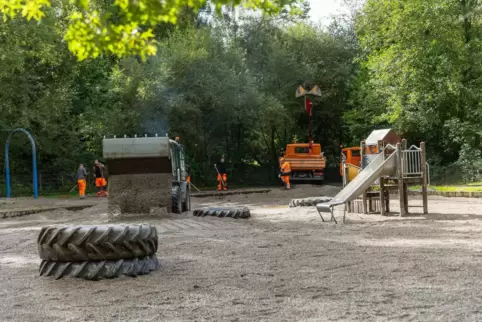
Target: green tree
{"x": 422, "y": 62}
{"x": 125, "y": 27}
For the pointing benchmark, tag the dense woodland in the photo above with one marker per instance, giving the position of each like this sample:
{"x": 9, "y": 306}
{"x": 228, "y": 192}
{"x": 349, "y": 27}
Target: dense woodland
{"x": 225, "y": 83}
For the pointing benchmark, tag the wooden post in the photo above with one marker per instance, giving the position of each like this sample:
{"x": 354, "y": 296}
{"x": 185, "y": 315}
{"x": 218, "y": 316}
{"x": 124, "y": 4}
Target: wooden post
{"x": 405, "y": 197}
{"x": 382, "y": 197}
{"x": 404, "y": 144}
{"x": 405, "y": 165}
{"x": 423, "y": 167}
{"x": 364, "y": 203}
{"x": 400, "y": 180}
{"x": 345, "y": 182}
{"x": 380, "y": 146}
{"x": 387, "y": 202}
{"x": 362, "y": 166}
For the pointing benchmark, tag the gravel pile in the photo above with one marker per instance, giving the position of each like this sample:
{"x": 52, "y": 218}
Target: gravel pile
{"x": 138, "y": 193}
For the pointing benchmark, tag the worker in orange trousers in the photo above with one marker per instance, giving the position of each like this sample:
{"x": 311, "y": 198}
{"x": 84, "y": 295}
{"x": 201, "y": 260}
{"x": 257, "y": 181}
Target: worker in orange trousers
{"x": 81, "y": 180}
{"x": 285, "y": 173}
{"x": 100, "y": 181}
{"x": 222, "y": 175}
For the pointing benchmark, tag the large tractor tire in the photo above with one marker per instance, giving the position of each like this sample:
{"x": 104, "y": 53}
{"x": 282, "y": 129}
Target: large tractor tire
{"x": 100, "y": 269}
{"x": 186, "y": 205}
{"x": 176, "y": 200}
{"x": 232, "y": 212}
{"x": 94, "y": 243}
{"x": 308, "y": 202}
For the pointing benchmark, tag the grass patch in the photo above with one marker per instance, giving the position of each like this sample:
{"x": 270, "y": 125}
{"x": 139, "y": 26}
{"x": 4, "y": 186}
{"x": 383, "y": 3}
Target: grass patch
{"x": 464, "y": 188}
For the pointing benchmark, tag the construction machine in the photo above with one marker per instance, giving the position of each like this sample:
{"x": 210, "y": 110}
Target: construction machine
{"x": 146, "y": 172}
{"x": 307, "y": 162}
{"x": 351, "y": 157}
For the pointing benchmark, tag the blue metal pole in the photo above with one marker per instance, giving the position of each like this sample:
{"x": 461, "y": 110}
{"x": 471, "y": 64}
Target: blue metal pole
{"x": 7, "y": 169}
{"x": 34, "y": 162}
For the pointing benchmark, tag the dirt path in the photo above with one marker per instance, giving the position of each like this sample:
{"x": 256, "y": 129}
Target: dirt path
{"x": 281, "y": 265}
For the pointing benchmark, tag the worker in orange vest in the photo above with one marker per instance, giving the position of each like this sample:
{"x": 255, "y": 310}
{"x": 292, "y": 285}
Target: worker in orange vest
{"x": 81, "y": 180}
{"x": 100, "y": 181}
{"x": 285, "y": 173}
{"x": 222, "y": 175}
{"x": 188, "y": 174}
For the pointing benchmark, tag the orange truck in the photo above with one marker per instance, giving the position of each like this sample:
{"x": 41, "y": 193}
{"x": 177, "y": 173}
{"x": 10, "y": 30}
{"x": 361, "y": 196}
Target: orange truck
{"x": 352, "y": 156}
{"x": 307, "y": 164}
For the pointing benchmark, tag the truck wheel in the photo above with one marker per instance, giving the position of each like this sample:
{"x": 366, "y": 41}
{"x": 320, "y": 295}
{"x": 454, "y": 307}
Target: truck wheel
{"x": 186, "y": 205}
{"x": 96, "y": 243}
{"x": 97, "y": 270}
{"x": 176, "y": 200}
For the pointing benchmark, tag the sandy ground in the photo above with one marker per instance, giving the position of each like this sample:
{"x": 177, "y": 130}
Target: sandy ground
{"x": 283, "y": 264}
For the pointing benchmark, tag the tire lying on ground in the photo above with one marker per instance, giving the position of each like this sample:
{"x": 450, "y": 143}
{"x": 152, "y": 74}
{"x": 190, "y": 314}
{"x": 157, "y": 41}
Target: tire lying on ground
{"x": 308, "y": 202}
{"x": 100, "y": 269}
{"x": 232, "y": 212}
{"x": 94, "y": 243}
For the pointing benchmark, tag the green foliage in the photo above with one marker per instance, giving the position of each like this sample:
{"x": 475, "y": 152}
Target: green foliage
{"x": 225, "y": 86}
{"x": 122, "y": 27}
{"x": 420, "y": 73}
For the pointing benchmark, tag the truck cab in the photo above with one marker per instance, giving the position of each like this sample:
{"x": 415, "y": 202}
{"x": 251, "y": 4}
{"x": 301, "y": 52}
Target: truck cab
{"x": 307, "y": 162}
{"x": 351, "y": 156}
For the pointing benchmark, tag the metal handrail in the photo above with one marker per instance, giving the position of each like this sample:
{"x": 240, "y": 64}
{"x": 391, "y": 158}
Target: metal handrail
{"x": 411, "y": 164}
{"x": 388, "y": 145}
{"x": 414, "y": 147}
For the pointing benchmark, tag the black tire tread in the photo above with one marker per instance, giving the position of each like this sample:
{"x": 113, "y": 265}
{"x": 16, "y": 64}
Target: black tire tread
{"x": 96, "y": 270}
{"x": 308, "y": 202}
{"x": 176, "y": 194}
{"x": 221, "y": 212}
{"x": 93, "y": 243}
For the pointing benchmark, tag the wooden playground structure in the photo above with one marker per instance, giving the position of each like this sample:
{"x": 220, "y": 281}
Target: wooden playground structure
{"x": 408, "y": 168}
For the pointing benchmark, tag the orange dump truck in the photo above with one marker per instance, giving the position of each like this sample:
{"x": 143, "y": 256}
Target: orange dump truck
{"x": 352, "y": 156}
{"x": 307, "y": 164}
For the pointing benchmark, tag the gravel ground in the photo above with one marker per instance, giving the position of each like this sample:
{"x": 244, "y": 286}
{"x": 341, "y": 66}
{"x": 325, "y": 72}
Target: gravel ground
{"x": 282, "y": 264}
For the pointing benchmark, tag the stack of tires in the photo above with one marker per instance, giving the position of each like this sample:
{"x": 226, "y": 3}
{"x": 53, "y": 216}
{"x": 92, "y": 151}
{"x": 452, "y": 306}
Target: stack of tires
{"x": 98, "y": 252}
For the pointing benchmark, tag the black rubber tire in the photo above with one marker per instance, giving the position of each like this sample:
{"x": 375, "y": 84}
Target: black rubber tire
{"x": 308, "y": 202}
{"x": 186, "y": 205}
{"x": 88, "y": 243}
{"x": 232, "y": 212}
{"x": 176, "y": 200}
{"x": 98, "y": 270}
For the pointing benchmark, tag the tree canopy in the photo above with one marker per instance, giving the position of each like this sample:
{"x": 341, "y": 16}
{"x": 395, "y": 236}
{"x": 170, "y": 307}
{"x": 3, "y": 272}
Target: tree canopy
{"x": 123, "y": 27}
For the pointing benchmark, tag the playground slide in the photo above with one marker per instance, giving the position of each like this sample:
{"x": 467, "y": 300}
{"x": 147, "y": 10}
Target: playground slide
{"x": 377, "y": 168}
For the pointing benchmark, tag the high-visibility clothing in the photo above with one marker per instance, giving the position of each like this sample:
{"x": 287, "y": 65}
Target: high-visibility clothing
{"x": 101, "y": 185}
{"x": 188, "y": 179}
{"x": 100, "y": 182}
{"x": 221, "y": 178}
{"x": 82, "y": 185}
{"x": 285, "y": 174}
{"x": 286, "y": 168}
